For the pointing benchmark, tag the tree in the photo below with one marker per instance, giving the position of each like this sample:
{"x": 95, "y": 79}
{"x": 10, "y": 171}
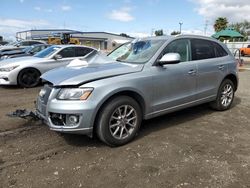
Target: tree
{"x": 242, "y": 27}
{"x": 220, "y": 24}
{"x": 175, "y": 33}
{"x": 159, "y": 32}
{"x": 124, "y": 35}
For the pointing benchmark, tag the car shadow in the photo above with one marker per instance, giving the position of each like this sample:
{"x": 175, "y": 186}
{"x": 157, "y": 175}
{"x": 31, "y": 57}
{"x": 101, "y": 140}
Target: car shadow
{"x": 82, "y": 140}
{"x": 149, "y": 126}
{"x": 177, "y": 118}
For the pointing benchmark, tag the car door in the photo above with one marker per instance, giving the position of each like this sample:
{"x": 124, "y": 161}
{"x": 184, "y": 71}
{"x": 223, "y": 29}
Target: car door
{"x": 211, "y": 69}
{"x": 174, "y": 85}
{"x": 66, "y": 56}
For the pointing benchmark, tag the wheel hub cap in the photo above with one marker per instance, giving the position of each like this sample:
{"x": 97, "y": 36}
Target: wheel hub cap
{"x": 227, "y": 95}
{"x": 122, "y": 122}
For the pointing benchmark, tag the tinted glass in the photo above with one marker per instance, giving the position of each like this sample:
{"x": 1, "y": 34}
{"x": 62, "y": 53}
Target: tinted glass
{"x": 202, "y": 49}
{"x": 82, "y": 51}
{"x": 181, "y": 47}
{"x": 219, "y": 51}
{"x": 67, "y": 52}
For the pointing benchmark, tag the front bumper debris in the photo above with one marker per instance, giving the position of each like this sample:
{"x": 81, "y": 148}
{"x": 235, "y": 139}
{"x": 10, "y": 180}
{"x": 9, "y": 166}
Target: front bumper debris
{"x": 23, "y": 113}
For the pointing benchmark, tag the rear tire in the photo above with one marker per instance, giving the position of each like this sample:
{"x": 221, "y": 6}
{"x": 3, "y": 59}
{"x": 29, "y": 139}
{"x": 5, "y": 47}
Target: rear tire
{"x": 242, "y": 53}
{"x": 119, "y": 121}
{"x": 225, "y": 96}
{"x": 28, "y": 78}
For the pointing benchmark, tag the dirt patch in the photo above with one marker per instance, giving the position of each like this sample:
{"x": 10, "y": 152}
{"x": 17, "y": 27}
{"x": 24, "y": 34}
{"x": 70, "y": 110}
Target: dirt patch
{"x": 196, "y": 147}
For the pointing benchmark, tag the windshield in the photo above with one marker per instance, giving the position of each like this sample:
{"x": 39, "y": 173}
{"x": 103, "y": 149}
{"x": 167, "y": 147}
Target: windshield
{"x": 139, "y": 51}
{"x": 47, "y": 52}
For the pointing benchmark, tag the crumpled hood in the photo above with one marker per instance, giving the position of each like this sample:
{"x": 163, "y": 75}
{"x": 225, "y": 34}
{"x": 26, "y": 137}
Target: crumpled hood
{"x": 20, "y": 60}
{"x": 83, "y": 74}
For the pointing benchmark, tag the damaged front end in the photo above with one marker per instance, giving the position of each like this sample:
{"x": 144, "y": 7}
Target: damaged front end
{"x": 40, "y": 105}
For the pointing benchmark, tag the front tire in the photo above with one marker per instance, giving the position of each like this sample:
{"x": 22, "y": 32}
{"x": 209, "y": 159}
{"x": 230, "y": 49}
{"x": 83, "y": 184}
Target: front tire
{"x": 28, "y": 78}
{"x": 119, "y": 121}
{"x": 225, "y": 96}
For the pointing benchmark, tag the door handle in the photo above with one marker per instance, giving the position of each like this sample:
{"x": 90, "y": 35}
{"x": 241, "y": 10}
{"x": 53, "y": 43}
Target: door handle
{"x": 192, "y": 72}
{"x": 221, "y": 67}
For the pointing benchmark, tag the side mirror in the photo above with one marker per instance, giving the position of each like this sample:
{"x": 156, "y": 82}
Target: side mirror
{"x": 170, "y": 58}
{"x": 57, "y": 56}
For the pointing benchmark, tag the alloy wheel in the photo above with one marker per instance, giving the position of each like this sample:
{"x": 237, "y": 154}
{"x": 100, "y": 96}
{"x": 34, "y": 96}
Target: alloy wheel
{"x": 227, "y": 95}
{"x": 122, "y": 122}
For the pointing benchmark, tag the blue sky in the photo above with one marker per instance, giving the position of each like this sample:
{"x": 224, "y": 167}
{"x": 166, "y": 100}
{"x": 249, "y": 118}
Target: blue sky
{"x": 134, "y": 17}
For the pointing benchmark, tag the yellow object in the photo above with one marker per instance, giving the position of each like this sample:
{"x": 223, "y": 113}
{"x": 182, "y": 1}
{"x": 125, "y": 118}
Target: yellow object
{"x": 64, "y": 39}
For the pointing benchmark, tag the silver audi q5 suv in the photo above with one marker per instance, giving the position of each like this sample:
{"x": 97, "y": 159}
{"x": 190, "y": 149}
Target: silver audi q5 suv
{"x": 111, "y": 95}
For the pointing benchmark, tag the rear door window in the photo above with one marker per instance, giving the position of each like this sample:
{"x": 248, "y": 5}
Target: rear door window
{"x": 81, "y": 51}
{"x": 202, "y": 49}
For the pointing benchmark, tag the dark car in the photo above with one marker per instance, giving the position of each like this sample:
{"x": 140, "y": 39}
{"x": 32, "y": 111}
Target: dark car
{"x": 29, "y": 51}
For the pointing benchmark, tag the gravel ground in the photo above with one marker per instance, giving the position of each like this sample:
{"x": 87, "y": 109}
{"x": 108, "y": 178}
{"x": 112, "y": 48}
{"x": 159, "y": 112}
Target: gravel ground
{"x": 196, "y": 147}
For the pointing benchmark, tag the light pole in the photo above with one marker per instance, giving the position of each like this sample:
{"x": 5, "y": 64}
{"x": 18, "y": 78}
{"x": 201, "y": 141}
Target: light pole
{"x": 152, "y": 31}
{"x": 180, "y": 26}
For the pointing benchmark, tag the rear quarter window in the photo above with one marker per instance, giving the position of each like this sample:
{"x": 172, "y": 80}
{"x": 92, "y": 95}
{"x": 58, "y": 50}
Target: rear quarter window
{"x": 219, "y": 50}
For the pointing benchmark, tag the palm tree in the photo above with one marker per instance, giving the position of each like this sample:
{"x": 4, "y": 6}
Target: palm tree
{"x": 220, "y": 24}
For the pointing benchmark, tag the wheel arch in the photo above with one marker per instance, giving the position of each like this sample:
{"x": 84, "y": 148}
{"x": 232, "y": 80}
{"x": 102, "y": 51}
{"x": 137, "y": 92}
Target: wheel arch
{"x": 133, "y": 94}
{"x": 234, "y": 79}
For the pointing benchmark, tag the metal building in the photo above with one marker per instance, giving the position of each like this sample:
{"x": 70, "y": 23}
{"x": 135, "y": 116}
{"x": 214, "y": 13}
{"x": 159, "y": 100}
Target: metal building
{"x": 99, "y": 40}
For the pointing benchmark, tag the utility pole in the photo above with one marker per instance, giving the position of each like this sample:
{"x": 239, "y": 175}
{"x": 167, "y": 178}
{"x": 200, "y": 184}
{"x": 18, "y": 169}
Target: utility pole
{"x": 180, "y": 26}
{"x": 205, "y": 28}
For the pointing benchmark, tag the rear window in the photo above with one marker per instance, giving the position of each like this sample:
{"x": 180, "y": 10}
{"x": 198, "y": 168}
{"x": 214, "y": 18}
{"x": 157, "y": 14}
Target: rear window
{"x": 202, "y": 49}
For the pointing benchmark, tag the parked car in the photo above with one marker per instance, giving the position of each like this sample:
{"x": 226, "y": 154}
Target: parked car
{"x": 3, "y": 51}
{"x": 29, "y": 51}
{"x": 18, "y": 46}
{"x": 26, "y": 71}
{"x": 139, "y": 80}
{"x": 245, "y": 51}
{"x": 22, "y": 43}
